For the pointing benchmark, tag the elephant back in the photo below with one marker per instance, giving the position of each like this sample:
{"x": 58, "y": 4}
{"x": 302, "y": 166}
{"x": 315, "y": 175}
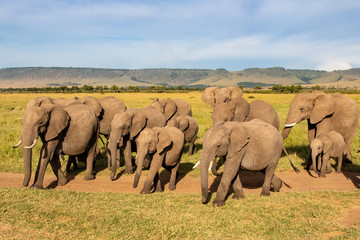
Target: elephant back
{"x": 264, "y": 111}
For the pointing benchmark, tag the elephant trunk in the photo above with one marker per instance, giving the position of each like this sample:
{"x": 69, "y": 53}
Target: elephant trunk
{"x": 285, "y": 132}
{"x": 140, "y": 162}
{"x": 29, "y": 139}
{"x": 204, "y": 166}
{"x": 113, "y": 144}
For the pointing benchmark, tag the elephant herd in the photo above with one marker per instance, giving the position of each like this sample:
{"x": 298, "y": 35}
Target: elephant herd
{"x": 245, "y": 134}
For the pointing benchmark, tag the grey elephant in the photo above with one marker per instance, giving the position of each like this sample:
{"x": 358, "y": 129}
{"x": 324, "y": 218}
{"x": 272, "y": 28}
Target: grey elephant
{"x": 172, "y": 108}
{"x": 324, "y": 113}
{"x": 104, "y": 108}
{"x": 189, "y": 127}
{"x": 215, "y": 95}
{"x": 165, "y": 146}
{"x": 323, "y": 147}
{"x": 240, "y": 110}
{"x": 125, "y": 127}
{"x": 254, "y": 145}
{"x": 72, "y": 130}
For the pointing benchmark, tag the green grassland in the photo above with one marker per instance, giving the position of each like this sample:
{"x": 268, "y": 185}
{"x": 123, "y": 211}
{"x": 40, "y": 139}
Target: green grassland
{"x": 51, "y": 214}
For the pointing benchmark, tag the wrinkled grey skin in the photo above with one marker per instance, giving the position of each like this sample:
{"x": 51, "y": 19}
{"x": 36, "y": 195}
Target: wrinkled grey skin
{"x": 189, "y": 127}
{"x": 104, "y": 108}
{"x": 215, "y": 95}
{"x": 71, "y": 130}
{"x": 323, "y": 147}
{"x": 240, "y": 110}
{"x": 254, "y": 145}
{"x": 164, "y": 146}
{"x": 172, "y": 108}
{"x": 125, "y": 127}
{"x": 324, "y": 113}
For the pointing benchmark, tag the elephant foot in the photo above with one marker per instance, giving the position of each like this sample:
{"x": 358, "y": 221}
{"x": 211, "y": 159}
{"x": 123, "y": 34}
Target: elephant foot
{"x": 62, "y": 182}
{"x": 35, "y": 186}
{"x": 218, "y": 203}
{"x": 338, "y": 171}
{"x": 159, "y": 189}
{"x": 322, "y": 176}
{"x": 89, "y": 177}
{"x": 145, "y": 191}
{"x": 128, "y": 171}
{"x": 172, "y": 187}
{"x": 238, "y": 196}
{"x": 265, "y": 193}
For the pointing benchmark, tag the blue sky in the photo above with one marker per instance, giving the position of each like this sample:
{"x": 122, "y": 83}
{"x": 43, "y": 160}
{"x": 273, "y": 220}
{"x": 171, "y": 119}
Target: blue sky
{"x": 231, "y": 34}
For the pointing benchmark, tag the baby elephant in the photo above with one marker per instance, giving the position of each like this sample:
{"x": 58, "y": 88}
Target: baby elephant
{"x": 323, "y": 147}
{"x": 164, "y": 145}
{"x": 189, "y": 126}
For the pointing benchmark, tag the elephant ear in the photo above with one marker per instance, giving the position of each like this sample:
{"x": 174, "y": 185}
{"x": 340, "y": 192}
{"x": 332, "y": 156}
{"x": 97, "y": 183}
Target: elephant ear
{"x": 169, "y": 108}
{"x": 241, "y": 109}
{"x": 183, "y": 124}
{"x": 239, "y": 138}
{"x": 93, "y": 103}
{"x": 138, "y": 123}
{"x": 58, "y": 120}
{"x": 235, "y": 92}
{"x": 163, "y": 141}
{"x": 323, "y": 106}
{"x": 208, "y": 95}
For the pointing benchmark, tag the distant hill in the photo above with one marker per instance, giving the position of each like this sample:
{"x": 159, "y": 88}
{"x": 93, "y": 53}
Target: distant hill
{"x": 57, "y": 76}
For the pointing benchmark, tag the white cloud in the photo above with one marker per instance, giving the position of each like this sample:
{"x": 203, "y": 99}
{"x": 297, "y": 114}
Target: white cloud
{"x": 334, "y": 64}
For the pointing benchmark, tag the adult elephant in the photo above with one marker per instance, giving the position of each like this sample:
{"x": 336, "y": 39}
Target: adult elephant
{"x": 215, "y": 95}
{"x": 104, "y": 108}
{"x": 172, "y": 108}
{"x": 324, "y": 113}
{"x": 240, "y": 110}
{"x": 125, "y": 127}
{"x": 71, "y": 130}
{"x": 253, "y": 145}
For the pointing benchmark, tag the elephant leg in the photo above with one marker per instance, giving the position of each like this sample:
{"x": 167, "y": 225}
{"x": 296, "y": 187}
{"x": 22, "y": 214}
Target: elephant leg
{"x": 90, "y": 157}
{"x": 269, "y": 173}
{"x": 230, "y": 169}
{"x": 347, "y": 154}
{"x": 154, "y": 169}
{"x": 192, "y": 147}
{"x": 172, "y": 182}
{"x": 324, "y": 165}
{"x": 56, "y": 167}
{"x": 340, "y": 159}
{"x": 276, "y": 183}
{"x": 46, "y": 153}
{"x": 238, "y": 188}
{"x": 127, "y": 156}
{"x": 157, "y": 183}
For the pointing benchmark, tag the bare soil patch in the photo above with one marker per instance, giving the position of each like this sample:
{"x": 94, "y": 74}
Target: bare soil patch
{"x": 252, "y": 183}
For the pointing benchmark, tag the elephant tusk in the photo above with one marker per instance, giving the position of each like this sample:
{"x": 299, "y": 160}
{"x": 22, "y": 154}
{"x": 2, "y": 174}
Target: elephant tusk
{"x": 32, "y": 145}
{"x": 197, "y": 164}
{"x": 210, "y": 165}
{"x": 18, "y": 144}
{"x": 290, "y": 125}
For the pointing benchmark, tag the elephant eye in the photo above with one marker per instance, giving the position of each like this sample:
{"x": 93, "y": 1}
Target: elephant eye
{"x": 302, "y": 109}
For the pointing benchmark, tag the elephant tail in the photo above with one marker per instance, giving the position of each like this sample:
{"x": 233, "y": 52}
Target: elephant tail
{"x": 292, "y": 165}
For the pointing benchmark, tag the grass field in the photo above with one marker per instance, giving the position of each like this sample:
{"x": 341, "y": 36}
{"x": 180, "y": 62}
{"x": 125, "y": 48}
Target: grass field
{"x": 51, "y": 214}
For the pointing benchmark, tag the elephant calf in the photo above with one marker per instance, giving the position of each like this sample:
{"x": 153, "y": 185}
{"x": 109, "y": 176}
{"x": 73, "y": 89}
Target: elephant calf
{"x": 164, "y": 145}
{"x": 254, "y": 145}
{"x": 323, "y": 147}
{"x": 189, "y": 126}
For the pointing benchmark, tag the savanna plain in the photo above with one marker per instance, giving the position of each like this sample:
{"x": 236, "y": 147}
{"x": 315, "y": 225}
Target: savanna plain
{"x": 51, "y": 214}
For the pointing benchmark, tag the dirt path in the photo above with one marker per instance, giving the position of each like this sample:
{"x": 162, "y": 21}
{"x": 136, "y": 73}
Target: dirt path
{"x": 251, "y": 181}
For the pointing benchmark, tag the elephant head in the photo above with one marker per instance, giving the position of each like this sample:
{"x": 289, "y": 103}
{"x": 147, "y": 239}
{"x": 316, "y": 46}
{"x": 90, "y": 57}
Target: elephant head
{"x": 150, "y": 141}
{"x": 167, "y": 106}
{"x": 221, "y": 140}
{"x": 236, "y": 110}
{"x": 125, "y": 124}
{"x": 46, "y": 121}
{"x": 180, "y": 122}
{"x": 91, "y": 102}
{"x": 313, "y": 106}
{"x": 215, "y": 95}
